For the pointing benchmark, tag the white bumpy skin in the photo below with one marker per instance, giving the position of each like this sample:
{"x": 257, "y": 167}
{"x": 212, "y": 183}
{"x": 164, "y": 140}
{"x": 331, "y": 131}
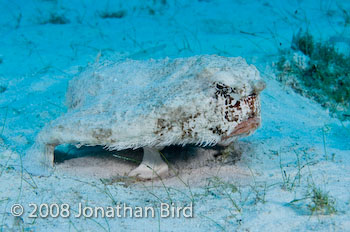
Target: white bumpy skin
{"x": 201, "y": 100}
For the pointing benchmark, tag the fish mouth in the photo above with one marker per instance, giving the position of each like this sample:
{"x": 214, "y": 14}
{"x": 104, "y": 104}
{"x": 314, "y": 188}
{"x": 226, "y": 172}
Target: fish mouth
{"x": 253, "y": 121}
{"x": 245, "y": 128}
{"x": 248, "y": 126}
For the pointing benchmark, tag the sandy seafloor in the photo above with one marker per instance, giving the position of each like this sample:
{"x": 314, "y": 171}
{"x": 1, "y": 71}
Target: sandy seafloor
{"x": 298, "y": 147}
